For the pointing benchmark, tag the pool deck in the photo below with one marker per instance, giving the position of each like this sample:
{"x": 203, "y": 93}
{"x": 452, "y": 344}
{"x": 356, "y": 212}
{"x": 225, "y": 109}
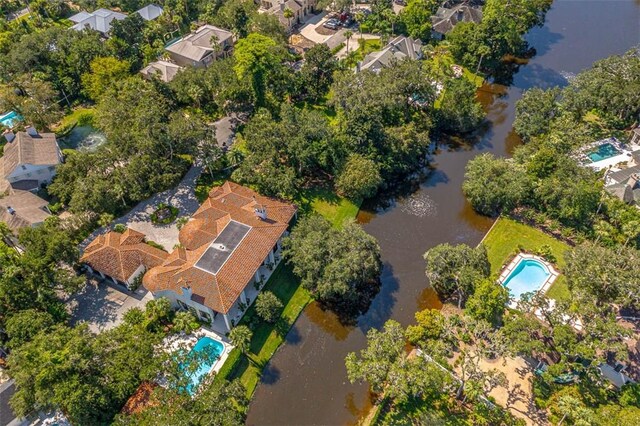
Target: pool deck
{"x": 553, "y": 274}
{"x": 188, "y": 341}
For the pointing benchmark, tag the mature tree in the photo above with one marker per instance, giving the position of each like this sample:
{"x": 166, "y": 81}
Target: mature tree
{"x": 144, "y": 153}
{"x": 282, "y": 155}
{"x": 416, "y": 17}
{"x": 378, "y": 119}
{"x": 459, "y": 110}
{"x": 216, "y": 404}
{"x": 35, "y": 100}
{"x": 337, "y": 266}
{"x": 235, "y": 15}
{"x": 493, "y": 185}
{"x": 359, "y": 178}
{"x": 376, "y": 362}
{"x": 126, "y": 38}
{"x": 240, "y": 337}
{"x": 488, "y": 302}
{"x": 535, "y": 111}
{"x": 455, "y": 270}
{"x": 25, "y": 325}
{"x": 258, "y": 61}
{"x": 610, "y": 87}
{"x": 87, "y": 377}
{"x": 105, "y": 72}
{"x": 316, "y": 74}
{"x": 603, "y": 274}
{"x": 268, "y": 306}
{"x": 498, "y": 34}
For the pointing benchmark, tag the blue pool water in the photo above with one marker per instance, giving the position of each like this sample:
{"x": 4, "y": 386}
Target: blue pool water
{"x": 10, "y": 119}
{"x": 528, "y": 276}
{"x": 603, "y": 152}
{"x": 206, "y": 351}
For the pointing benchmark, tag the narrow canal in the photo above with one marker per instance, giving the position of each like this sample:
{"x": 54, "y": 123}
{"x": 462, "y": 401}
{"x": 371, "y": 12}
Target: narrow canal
{"x": 306, "y": 383}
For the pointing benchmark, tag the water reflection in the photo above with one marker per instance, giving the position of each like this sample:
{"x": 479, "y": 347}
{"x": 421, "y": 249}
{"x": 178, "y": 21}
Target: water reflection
{"x": 328, "y": 321}
{"x": 428, "y": 299}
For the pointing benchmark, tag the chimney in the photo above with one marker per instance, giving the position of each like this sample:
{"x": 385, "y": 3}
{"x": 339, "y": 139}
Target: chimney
{"x": 11, "y": 210}
{"x": 460, "y": 16}
{"x": 9, "y": 135}
{"x": 186, "y": 292}
{"x": 282, "y": 6}
{"x": 31, "y": 131}
{"x": 261, "y": 212}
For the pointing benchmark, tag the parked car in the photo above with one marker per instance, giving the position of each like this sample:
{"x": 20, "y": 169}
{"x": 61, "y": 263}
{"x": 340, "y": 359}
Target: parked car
{"x": 332, "y": 24}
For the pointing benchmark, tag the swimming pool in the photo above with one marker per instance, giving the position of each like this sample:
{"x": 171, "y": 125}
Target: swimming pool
{"x": 603, "y": 152}
{"x": 206, "y": 352}
{"x": 10, "y": 119}
{"x": 529, "y": 275}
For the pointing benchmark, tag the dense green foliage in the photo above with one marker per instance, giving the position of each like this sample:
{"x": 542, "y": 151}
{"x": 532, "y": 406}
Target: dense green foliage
{"x": 500, "y": 33}
{"x": 544, "y": 176}
{"x": 89, "y": 377}
{"x": 144, "y": 153}
{"x": 338, "y": 266}
{"x": 453, "y": 271}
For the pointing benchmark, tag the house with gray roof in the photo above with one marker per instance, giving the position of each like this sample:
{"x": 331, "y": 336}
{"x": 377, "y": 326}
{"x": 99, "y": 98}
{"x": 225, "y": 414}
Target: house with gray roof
{"x": 447, "y": 17}
{"x": 150, "y": 12}
{"x": 398, "y": 49}
{"x": 164, "y": 70}
{"x": 201, "y": 48}
{"x": 30, "y": 160}
{"x": 23, "y": 209}
{"x": 99, "y": 20}
{"x": 301, "y": 10}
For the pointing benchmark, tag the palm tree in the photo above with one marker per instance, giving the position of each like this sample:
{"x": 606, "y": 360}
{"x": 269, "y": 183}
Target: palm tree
{"x": 348, "y": 34}
{"x": 288, "y": 13}
{"x": 241, "y": 338}
{"x": 360, "y": 19}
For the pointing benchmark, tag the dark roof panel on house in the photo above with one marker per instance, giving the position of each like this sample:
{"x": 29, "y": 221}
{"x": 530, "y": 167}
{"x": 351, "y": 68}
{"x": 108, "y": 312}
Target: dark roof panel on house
{"x": 222, "y": 247}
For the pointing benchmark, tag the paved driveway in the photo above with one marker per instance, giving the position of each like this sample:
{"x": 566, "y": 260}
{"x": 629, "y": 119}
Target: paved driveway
{"x": 102, "y": 305}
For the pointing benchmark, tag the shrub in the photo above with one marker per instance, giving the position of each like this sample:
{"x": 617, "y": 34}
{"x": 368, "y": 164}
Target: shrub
{"x": 164, "y": 214}
{"x": 156, "y": 245}
{"x": 120, "y": 228}
{"x": 268, "y": 306}
{"x": 546, "y": 253}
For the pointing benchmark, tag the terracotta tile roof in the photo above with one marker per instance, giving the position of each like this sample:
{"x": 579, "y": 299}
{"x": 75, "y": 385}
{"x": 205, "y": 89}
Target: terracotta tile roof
{"x": 141, "y": 399}
{"x": 229, "y": 202}
{"x": 119, "y": 255}
{"x": 40, "y": 150}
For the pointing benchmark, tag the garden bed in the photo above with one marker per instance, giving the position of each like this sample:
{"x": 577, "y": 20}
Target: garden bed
{"x": 164, "y": 214}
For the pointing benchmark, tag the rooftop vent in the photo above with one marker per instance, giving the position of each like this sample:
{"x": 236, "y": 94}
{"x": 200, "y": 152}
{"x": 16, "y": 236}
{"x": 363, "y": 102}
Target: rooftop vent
{"x": 9, "y": 135}
{"x": 11, "y": 210}
{"x": 31, "y": 131}
{"x": 261, "y": 212}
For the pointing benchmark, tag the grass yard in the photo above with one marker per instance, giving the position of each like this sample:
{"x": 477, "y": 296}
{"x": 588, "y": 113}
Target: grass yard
{"x": 507, "y": 237}
{"x": 326, "y": 203}
{"x": 267, "y": 338}
{"x": 79, "y": 115}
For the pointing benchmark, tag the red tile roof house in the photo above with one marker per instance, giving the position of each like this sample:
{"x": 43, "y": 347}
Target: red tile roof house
{"x": 121, "y": 258}
{"x": 230, "y": 247}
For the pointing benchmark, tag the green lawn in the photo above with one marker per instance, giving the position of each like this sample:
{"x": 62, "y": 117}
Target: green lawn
{"x": 506, "y": 238}
{"x": 326, "y": 203}
{"x": 267, "y": 338}
{"x": 74, "y": 116}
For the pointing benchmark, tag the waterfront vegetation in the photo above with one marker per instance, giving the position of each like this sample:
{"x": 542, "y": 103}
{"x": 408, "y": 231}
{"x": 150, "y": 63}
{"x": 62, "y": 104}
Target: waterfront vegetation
{"x": 325, "y": 138}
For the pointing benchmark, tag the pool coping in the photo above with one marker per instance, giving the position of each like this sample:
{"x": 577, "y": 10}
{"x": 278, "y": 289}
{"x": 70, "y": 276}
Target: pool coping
{"x": 553, "y": 274}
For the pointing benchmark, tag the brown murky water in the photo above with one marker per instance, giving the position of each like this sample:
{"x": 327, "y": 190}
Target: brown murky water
{"x": 306, "y": 382}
